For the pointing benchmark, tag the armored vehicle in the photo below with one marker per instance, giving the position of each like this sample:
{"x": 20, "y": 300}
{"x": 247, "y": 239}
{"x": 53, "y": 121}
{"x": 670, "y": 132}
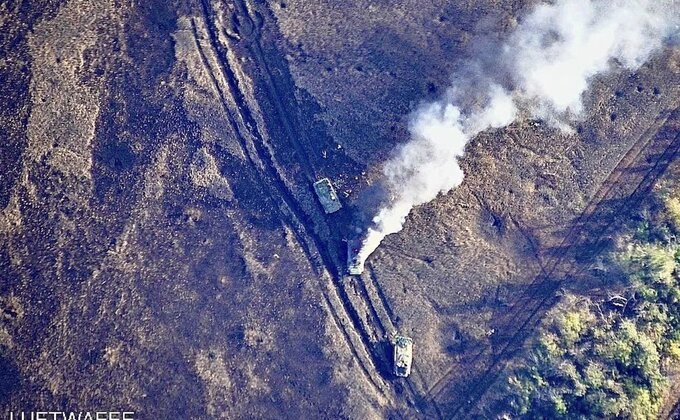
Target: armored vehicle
{"x": 327, "y": 196}
{"x": 354, "y": 265}
{"x": 403, "y": 355}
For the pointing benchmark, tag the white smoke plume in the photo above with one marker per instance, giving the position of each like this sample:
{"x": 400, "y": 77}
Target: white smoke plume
{"x": 546, "y": 65}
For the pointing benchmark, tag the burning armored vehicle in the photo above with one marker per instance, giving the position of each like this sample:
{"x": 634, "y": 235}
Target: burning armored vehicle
{"x": 354, "y": 264}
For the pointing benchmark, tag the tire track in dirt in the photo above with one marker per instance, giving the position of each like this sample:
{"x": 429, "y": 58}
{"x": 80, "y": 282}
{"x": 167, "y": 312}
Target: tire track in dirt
{"x": 327, "y": 250}
{"x": 362, "y": 325}
{"x": 254, "y": 26}
{"x": 362, "y": 289}
{"x": 370, "y": 327}
{"x": 542, "y": 285}
{"x": 373, "y": 321}
{"x": 260, "y": 160}
{"x": 628, "y": 160}
{"x": 416, "y": 384}
{"x": 533, "y": 320}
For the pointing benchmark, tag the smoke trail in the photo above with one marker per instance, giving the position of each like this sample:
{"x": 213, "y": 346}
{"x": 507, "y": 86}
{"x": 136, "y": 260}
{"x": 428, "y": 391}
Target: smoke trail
{"x": 548, "y": 62}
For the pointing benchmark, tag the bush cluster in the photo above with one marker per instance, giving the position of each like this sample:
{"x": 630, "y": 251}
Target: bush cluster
{"x": 609, "y": 357}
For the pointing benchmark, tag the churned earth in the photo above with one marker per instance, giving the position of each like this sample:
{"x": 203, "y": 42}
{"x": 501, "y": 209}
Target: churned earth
{"x": 161, "y": 247}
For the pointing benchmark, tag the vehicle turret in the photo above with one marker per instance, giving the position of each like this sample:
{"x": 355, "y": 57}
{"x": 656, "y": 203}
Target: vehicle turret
{"x": 327, "y": 195}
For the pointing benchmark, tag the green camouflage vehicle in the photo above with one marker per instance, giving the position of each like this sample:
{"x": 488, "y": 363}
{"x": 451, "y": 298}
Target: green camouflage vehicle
{"x": 327, "y": 196}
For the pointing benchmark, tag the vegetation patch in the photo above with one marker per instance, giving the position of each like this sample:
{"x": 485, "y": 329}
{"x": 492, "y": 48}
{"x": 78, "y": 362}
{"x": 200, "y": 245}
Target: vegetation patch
{"x": 610, "y": 356}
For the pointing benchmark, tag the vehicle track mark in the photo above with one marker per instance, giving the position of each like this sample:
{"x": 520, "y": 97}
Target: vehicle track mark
{"x": 371, "y": 307}
{"x": 373, "y": 321}
{"x": 255, "y": 48}
{"x": 417, "y": 387}
{"x": 539, "y": 306}
{"x": 328, "y": 249}
{"x": 294, "y": 216}
{"x": 327, "y": 253}
{"x": 389, "y": 314}
{"x": 311, "y": 173}
{"x": 534, "y": 292}
{"x": 611, "y": 181}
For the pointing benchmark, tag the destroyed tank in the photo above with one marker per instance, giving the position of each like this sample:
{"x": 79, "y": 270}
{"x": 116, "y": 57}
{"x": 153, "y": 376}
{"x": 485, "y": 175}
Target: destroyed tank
{"x": 327, "y": 195}
{"x": 403, "y": 355}
{"x": 354, "y": 265}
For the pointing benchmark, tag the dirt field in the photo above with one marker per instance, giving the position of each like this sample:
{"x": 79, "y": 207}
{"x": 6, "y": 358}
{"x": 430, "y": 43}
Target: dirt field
{"x": 161, "y": 247}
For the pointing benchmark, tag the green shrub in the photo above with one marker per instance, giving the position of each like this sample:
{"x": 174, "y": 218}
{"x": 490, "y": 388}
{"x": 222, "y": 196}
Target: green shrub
{"x": 598, "y": 360}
